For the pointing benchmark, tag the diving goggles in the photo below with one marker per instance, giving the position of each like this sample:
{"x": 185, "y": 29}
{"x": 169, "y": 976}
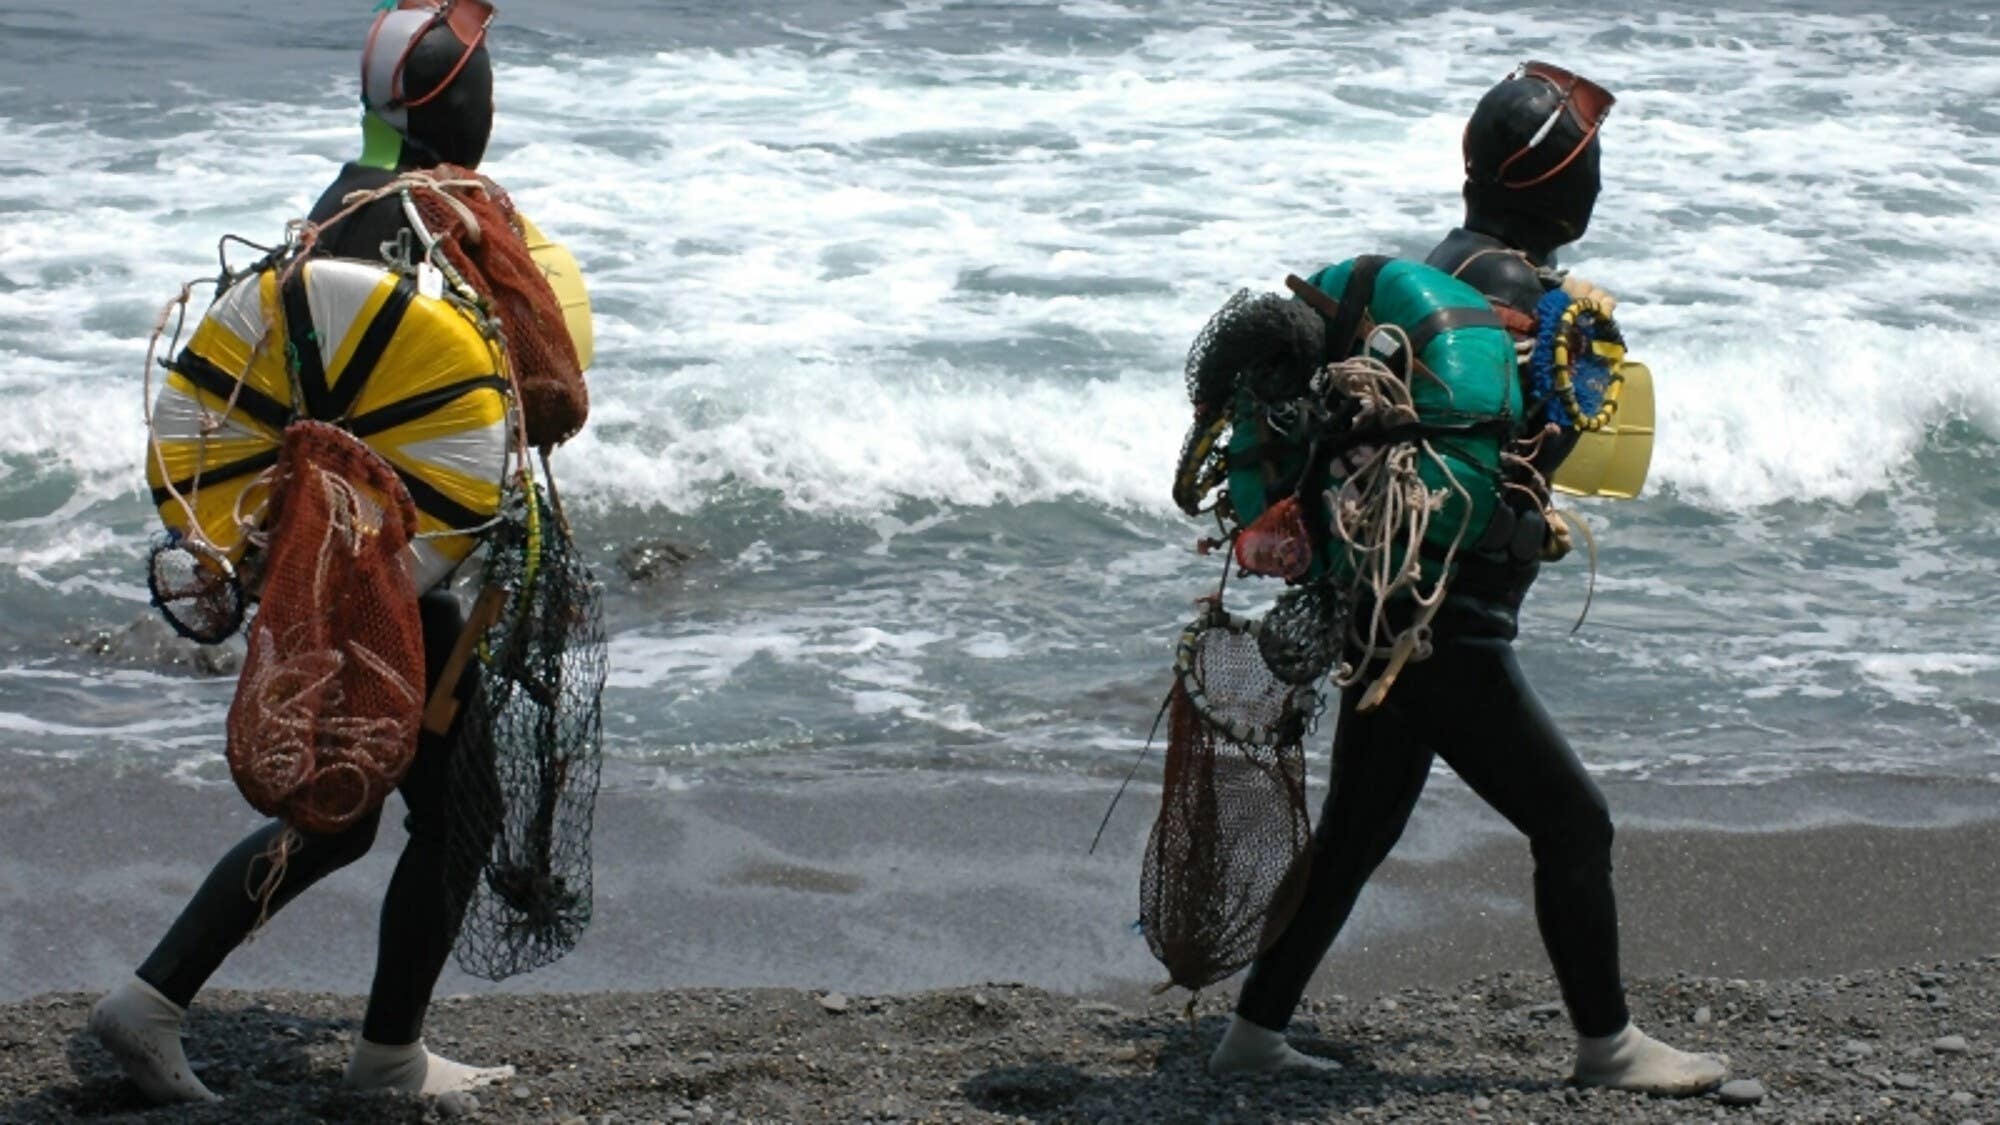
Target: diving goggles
{"x": 1585, "y": 101}
{"x": 403, "y": 24}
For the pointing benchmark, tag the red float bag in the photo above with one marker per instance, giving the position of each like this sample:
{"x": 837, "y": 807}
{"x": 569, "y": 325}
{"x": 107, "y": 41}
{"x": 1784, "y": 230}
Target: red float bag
{"x": 324, "y": 723}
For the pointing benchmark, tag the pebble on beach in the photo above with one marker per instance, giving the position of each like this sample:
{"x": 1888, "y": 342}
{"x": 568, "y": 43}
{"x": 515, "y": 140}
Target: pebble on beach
{"x": 1741, "y": 1092}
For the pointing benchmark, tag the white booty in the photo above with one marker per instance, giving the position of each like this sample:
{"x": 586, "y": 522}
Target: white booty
{"x": 414, "y": 1070}
{"x": 1632, "y": 1060}
{"x": 142, "y": 1029}
{"x": 1249, "y": 1049}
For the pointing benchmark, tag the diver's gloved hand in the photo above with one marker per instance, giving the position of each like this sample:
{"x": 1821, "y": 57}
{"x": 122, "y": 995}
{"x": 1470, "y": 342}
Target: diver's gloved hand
{"x": 1556, "y": 542}
{"x": 142, "y": 1030}
{"x": 1632, "y": 1060}
{"x": 1578, "y": 287}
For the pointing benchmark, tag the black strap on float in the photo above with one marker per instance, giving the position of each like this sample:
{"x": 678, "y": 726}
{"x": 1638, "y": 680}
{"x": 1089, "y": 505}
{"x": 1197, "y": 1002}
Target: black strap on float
{"x": 368, "y": 351}
{"x": 1343, "y": 319}
{"x": 212, "y": 380}
{"x": 302, "y": 351}
{"x": 1450, "y": 320}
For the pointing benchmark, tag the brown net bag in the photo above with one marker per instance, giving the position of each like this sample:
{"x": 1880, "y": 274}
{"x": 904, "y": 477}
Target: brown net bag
{"x": 1227, "y": 860}
{"x": 479, "y": 237}
{"x": 325, "y": 718}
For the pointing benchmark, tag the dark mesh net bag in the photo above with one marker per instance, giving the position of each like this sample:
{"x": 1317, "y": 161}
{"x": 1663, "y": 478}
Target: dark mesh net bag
{"x": 197, "y": 592}
{"x": 1264, "y": 343}
{"x": 1227, "y": 860}
{"x": 1301, "y": 637}
{"x": 324, "y": 722}
{"x": 526, "y": 771}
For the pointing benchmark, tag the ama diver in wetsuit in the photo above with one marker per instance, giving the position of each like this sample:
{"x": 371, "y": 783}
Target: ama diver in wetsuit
{"x": 1531, "y": 159}
{"x": 428, "y": 97}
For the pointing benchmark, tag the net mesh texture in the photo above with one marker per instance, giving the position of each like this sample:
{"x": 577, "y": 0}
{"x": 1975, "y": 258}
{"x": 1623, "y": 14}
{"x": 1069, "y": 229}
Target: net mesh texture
{"x": 530, "y": 752}
{"x": 1227, "y": 860}
{"x": 1229, "y": 853}
{"x": 1264, "y": 343}
{"x": 493, "y": 257}
{"x": 324, "y": 722}
{"x": 1300, "y": 639}
{"x": 201, "y": 597}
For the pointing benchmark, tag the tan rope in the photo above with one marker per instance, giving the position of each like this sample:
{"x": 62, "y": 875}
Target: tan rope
{"x": 152, "y": 431}
{"x": 1382, "y": 511}
{"x": 277, "y": 859}
{"x": 1569, "y": 515}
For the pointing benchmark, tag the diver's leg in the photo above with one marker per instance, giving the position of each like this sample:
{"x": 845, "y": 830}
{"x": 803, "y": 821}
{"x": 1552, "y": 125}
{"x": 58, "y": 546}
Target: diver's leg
{"x": 1505, "y": 746}
{"x": 140, "y": 1021}
{"x": 422, "y": 911}
{"x": 1379, "y": 768}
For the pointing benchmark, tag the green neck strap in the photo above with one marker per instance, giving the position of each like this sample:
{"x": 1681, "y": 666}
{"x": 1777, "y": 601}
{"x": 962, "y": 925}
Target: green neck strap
{"x": 381, "y": 144}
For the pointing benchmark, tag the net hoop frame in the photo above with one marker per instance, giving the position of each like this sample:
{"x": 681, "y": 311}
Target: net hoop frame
{"x": 1299, "y": 700}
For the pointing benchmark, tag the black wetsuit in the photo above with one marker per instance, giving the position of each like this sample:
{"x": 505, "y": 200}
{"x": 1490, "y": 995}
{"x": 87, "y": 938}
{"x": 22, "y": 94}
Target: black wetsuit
{"x": 421, "y": 914}
{"x": 1469, "y": 704}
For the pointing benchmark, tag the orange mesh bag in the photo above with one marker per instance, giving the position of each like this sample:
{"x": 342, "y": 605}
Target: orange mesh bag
{"x": 489, "y": 251}
{"x": 325, "y": 718}
{"x": 1276, "y": 545}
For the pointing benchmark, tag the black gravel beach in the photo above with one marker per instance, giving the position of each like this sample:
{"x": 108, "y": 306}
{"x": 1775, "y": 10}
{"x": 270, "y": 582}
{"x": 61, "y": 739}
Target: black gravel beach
{"x": 1914, "y": 1044}
{"x": 779, "y": 957}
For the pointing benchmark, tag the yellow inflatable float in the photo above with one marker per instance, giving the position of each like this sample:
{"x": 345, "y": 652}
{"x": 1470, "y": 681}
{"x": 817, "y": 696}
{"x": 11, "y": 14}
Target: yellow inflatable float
{"x": 354, "y": 344}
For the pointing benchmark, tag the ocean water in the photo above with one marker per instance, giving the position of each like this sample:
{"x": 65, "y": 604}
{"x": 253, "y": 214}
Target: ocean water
{"x": 892, "y": 303}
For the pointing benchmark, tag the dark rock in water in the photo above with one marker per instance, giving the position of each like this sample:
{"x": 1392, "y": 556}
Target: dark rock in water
{"x": 651, "y": 558}
{"x": 150, "y": 642}
{"x": 1742, "y": 1091}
